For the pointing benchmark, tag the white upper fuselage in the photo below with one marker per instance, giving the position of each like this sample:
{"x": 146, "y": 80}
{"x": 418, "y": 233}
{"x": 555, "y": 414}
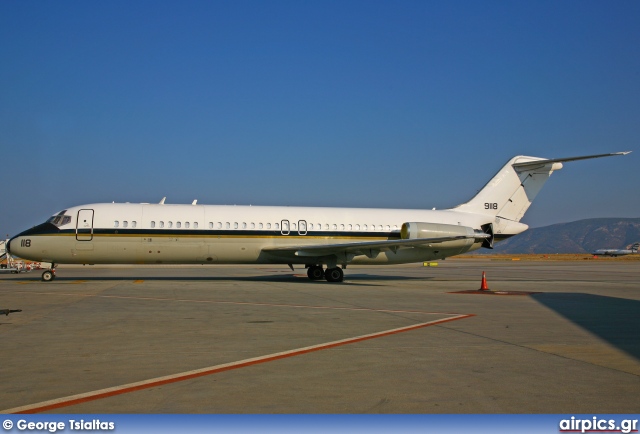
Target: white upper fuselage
{"x": 266, "y": 218}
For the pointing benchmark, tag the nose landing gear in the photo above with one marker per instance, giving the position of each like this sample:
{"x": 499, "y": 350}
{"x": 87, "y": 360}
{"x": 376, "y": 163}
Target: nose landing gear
{"x": 49, "y": 274}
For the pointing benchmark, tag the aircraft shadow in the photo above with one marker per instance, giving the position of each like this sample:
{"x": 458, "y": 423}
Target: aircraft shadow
{"x": 615, "y": 320}
{"x": 356, "y": 278}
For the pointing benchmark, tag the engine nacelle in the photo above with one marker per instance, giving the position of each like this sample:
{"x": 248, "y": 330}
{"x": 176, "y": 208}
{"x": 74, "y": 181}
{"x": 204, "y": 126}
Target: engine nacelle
{"x": 415, "y": 230}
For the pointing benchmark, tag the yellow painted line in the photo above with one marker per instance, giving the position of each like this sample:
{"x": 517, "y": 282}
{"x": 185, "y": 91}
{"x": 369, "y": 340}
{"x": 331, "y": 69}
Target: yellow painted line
{"x": 138, "y": 281}
{"x": 78, "y": 281}
{"x": 244, "y": 303}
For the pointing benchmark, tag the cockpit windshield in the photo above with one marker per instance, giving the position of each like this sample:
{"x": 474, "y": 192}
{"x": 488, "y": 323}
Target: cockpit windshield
{"x": 60, "y": 219}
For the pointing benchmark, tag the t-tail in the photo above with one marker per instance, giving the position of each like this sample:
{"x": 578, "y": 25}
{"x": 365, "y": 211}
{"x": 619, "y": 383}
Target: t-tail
{"x": 508, "y": 195}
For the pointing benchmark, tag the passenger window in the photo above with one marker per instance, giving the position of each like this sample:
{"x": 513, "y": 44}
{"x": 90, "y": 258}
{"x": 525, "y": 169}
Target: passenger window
{"x": 277, "y": 225}
{"x": 228, "y": 225}
{"x": 364, "y": 227}
{"x": 379, "y": 227}
{"x": 335, "y": 226}
{"x": 310, "y": 226}
{"x": 244, "y": 225}
{"x": 342, "y": 227}
{"x": 133, "y": 224}
{"x": 388, "y": 227}
{"x": 161, "y": 224}
{"x": 210, "y": 225}
{"x": 357, "y": 227}
{"x": 326, "y": 227}
{"x": 350, "y": 227}
{"x": 253, "y": 225}
{"x": 125, "y": 224}
{"x": 153, "y": 224}
{"x": 116, "y": 224}
{"x": 259, "y": 225}
{"x": 170, "y": 224}
{"x": 178, "y": 225}
{"x": 188, "y": 225}
{"x": 235, "y": 225}
{"x": 293, "y": 226}
{"x": 268, "y": 225}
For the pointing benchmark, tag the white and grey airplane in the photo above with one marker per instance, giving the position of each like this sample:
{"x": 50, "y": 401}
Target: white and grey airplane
{"x": 617, "y": 252}
{"x": 125, "y": 233}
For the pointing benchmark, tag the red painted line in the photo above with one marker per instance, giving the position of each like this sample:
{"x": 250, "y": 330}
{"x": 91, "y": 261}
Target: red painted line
{"x": 160, "y": 381}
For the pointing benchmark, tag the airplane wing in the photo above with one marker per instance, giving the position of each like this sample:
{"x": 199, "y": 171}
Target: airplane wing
{"x": 368, "y": 248}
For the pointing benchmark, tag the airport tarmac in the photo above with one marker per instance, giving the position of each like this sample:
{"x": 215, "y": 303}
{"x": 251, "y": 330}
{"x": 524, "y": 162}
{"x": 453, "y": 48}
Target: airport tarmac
{"x": 264, "y": 339}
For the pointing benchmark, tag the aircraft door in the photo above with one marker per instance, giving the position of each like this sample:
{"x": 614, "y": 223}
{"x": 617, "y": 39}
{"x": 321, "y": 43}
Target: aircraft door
{"x": 284, "y": 227}
{"x": 84, "y": 225}
{"x": 302, "y": 227}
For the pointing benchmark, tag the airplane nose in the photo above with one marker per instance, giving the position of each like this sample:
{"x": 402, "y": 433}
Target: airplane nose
{"x": 15, "y": 247}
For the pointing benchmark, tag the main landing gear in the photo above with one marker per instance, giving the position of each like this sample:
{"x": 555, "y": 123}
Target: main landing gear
{"x": 335, "y": 274}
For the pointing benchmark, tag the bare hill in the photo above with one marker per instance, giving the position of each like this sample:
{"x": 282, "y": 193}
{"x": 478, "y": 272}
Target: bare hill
{"x": 582, "y": 236}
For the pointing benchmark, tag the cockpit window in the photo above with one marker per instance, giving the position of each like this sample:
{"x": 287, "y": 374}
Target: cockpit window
{"x": 60, "y": 219}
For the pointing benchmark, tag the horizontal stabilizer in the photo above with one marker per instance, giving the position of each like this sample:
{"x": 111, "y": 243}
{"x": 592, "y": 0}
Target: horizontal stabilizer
{"x": 535, "y": 163}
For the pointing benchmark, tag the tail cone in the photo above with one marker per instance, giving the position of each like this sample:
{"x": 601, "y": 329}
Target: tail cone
{"x": 483, "y": 285}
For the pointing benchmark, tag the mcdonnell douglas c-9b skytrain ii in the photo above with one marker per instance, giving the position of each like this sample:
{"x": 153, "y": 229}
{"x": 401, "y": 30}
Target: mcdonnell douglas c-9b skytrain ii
{"x": 124, "y": 233}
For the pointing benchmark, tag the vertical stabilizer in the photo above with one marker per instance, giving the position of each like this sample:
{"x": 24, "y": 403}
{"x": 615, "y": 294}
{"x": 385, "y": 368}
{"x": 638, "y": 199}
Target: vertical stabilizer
{"x": 510, "y": 192}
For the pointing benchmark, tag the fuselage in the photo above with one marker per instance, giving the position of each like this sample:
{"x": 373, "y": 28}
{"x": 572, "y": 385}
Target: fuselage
{"x": 129, "y": 233}
{"x": 614, "y": 252}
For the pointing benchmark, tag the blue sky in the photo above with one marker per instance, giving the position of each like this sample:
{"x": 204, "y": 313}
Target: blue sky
{"x": 409, "y": 104}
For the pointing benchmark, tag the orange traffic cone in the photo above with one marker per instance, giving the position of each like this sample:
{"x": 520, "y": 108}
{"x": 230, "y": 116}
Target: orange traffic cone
{"x": 483, "y": 285}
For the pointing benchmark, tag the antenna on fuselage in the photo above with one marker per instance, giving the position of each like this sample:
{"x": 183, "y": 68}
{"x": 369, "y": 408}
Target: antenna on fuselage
{"x": 162, "y": 201}
{"x": 195, "y": 201}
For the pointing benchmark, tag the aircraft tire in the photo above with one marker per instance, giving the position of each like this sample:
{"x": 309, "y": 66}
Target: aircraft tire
{"x": 334, "y": 274}
{"x": 315, "y": 272}
{"x": 48, "y": 276}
